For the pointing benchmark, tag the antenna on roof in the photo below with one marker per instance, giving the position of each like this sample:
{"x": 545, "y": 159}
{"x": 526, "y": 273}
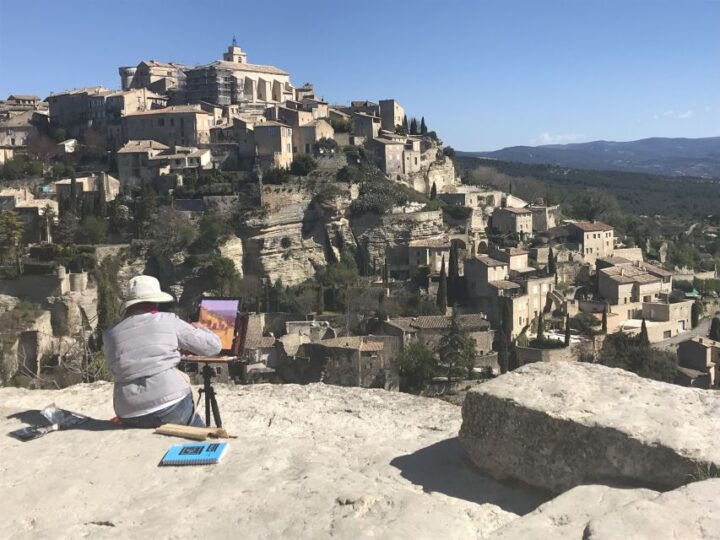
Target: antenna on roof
{"x": 234, "y": 41}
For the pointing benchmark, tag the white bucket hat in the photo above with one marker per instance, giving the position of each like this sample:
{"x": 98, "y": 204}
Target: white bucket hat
{"x": 144, "y": 289}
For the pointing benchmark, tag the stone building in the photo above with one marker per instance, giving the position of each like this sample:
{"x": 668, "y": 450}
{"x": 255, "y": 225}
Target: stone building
{"x": 76, "y": 110}
{"x": 544, "y": 217}
{"x": 88, "y": 187}
{"x": 274, "y": 144}
{"x": 389, "y": 154}
{"x": 509, "y": 220}
{"x": 141, "y": 162}
{"x": 234, "y": 80}
{"x": 16, "y": 130}
{"x": 429, "y": 252}
{"x": 31, "y": 211}
{"x": 180, "y": 125}
{"x": 594, "y": 239}
{"x": 391, "y": 114}
{"x": 429, "y": 329}
{"x": 701, "y": 354}
{"x": 160, "y": 77}
{"x": 365, "y": 125}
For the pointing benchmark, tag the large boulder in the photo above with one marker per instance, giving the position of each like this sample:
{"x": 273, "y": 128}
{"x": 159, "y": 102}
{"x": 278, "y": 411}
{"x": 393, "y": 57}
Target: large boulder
{"x": 557, "y": 426}
{"x": 688, "y": 512}
{"x": 566, "y": 516}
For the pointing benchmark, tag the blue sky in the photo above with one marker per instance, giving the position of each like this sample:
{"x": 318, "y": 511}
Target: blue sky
{"x": 485, "y": 74}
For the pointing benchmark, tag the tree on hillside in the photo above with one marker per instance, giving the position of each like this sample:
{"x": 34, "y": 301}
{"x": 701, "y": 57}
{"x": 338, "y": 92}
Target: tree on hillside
{"x": 302, "y": 165}
{"x": 320, "y": 301}
{"x": 413, "y": 127}
{"x": 715, "y": 329}
{"x": 417, "y": 366}
{"x": 644, "y": 338}
{"x": 456, "y": 349}
{"x": 405, "y": 122}
{"x": 67, "y": 228}
{"x": 385, "y": 274}
{"x": 453, "y": 277}
{"x": 502, "y": 349}
{"x": 630, "y": 353}
{"x": 11, "y": 233}
{"x": 442, "y": 299}
{"x": 48, "y": 222}
{"x": 552, "y": 263}
{"x": 507, "y": 321}
{"x": 541, "y": 327}
{"x": 433, "y": 192}
{"x": 423, "y": 127}
{"x": 695, "y": 313}
{"x": 604, "y": 327}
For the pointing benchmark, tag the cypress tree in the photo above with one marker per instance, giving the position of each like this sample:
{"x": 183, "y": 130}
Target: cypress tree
{"x": 413, "y": 127}
{"x": 695, "y": 314}
{"x": 442, "y": 300}
{"x": 454, "y": 276}
{"x": 604, "y": 319}
{"x": 502, "y": 350}
{"x": 567, "y": 330}
{"x": 541, "y": 327}
{"x": 552, "y": 263}
{"x": 507, "y": 323}
{"x": 644, "y": 338}
{"x": 715, "y": 329}
{"x": 101, "y": 204}
{"x": 385, "y": 274}
{"x": 423, "y": 127}
{"x": 405, "y": 122}
{"x": 320, "y": 299}
{"x": 433, "y": 192}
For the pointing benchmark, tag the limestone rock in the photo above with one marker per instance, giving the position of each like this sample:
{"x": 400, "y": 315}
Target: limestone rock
{"x": 687, "y": 512}
{"x": 232, "y": 249}
{"x": 313, "y": 461}
{"x": 566, "y": 516}
{"x": 557, "y": 426}
{"x": 8, "y": 303}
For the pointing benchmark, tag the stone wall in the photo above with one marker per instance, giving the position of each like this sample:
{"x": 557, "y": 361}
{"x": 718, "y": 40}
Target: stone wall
{"x": 529, "y": 355}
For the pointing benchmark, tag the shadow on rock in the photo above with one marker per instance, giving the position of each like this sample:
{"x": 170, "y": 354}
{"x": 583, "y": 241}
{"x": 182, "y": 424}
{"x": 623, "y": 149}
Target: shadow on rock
{"x": 444, "y": 468}
{"x": 34, "y": 417}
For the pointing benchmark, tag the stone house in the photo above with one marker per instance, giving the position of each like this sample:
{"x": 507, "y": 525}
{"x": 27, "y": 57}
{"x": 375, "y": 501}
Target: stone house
{"x": 17, "y": 129}
{"x": 31, "y": 212}
{"x": 391, "y": 114}
{"x": 544, "y": 217}
{"x": 365, "y": 361}
{"x": 510, "y": 220}
{"x": 274, "y": 145}
{"x": 89, "y": 186}
{"x": 594, "y": 239}
{"x": 305, "y": 137}
{"x": 429, "y": 252}
{"x": 627, "y": 282}
{"x": 429, "y": 329}
{"x": 135, "y": 164}
{"x": 118, "y": 104}
{"x": 365, "y": 125}
{"x": 701, "y": 354}
{"x": 77, "y": 110}
{"x": 389, "y": 154}
{"x": 181, "y": 125}
{"x": 366, "y": 107}
{"x": 160, "y": 77}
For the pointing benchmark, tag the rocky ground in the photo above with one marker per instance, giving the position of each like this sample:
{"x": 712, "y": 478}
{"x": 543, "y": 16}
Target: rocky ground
{"x": 310, "y": 461}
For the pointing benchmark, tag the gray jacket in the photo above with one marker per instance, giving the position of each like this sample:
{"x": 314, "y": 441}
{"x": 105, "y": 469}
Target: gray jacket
{"x": 142, "y": 352}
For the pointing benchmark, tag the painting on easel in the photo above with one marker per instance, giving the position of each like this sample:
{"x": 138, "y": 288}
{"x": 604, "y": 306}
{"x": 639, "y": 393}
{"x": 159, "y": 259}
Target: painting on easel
{"x": 221, "y": 315}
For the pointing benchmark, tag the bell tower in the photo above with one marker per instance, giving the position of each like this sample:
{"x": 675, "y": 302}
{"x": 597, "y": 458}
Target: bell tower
{"x": 235, "y": 54}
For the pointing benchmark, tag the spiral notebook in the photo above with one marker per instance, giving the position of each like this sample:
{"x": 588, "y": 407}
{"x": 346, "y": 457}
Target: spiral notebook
{"x": 194, "y": 454}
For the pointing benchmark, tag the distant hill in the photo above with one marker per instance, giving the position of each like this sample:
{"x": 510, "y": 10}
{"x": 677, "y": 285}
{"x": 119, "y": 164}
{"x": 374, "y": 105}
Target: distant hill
{"x": 665, "y": 156}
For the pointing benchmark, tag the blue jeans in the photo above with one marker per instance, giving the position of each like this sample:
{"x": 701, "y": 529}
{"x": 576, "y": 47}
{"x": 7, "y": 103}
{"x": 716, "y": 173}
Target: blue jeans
{"x": 182, "y": 412}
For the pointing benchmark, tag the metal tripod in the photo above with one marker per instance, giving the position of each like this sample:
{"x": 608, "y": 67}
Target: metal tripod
{"x": 210, "y": 401}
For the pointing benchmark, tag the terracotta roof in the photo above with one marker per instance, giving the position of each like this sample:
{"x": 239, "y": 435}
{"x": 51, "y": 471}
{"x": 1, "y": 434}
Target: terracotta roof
{"x": 89, "y": 90}
{"x": 590, "y": 226}
{"x": 175, "y": 109}
{"x": 489, "y": 261}
{"x": 24, "y": 97}
{"x": 141, "y": 145}
{"x": 657, "y": 271}
{"x": 270, "y": 123}
{"x": 629, "y": 274}
{"x": 361, "y": 343}
{"x": 439, "y": 242}
{"x": 387, "y": 141}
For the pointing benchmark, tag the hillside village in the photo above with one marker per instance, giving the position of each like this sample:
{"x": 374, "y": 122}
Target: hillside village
{"x": 359, "y": 253}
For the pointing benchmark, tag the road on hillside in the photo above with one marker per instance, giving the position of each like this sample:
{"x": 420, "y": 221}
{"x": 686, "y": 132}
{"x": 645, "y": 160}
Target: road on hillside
{"x": 671, "y": 344}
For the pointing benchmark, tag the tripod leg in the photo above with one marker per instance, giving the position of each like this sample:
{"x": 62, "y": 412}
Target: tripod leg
{"x": 207, "y": 389}
{"x": 215, "y": 408}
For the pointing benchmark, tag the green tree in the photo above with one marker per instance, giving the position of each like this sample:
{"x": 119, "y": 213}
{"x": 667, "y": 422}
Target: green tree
{"x": 413, "y": 127}
{"x": 423, "y": 127}
{"x": 644, "y": 339}
{"x": 456, "y": 350}
{"x": 507, "y": 321}
{"x": 385, "y": 274}
{"x": 417, "y": 365}
{"x": 695, "y": 313}
{"x": 11, "y": 235}
{"x": 454, "y": 294}
{"x": 541, "y": 327}
{"x": 108, "y": 294}
{"x": 630, "y": 353}
{"x": 442, "y": 299}
{"x": 67, "y": 228}
{"x": 320, "y": 302}
{"x": 302, "y": 165}
{"x": 433, "y": 192}
{"x": 604, "y": 327}
{"x": 715, "y": 329}
{"x": 93, "y": 230}
{"x": 170, "y": 232}
{"x": 502, "y": 349}
{"x": 552, "y": 263}
{"x": 405, "y": 122}
{"x": 222, "y": 277}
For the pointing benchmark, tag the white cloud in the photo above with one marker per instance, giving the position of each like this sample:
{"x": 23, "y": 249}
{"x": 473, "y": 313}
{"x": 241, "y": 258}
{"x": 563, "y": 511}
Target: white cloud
{"x": 672, "y": 113}
{"x": 559, "y": 138}
{"x": 685, "y": 115}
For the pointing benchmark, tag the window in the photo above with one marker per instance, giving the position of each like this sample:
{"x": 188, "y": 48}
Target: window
{"x": 161, "y": 121}
{"x": 667, "y": 334}
{"x": 172, "y": 121}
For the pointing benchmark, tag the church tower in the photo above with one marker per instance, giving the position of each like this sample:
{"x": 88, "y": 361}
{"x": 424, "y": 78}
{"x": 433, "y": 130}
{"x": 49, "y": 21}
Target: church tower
{"x": 235, "y": 54}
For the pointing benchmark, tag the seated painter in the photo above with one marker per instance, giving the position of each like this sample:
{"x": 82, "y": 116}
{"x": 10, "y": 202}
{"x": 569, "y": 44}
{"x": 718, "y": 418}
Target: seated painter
{"x": 143, "y": 350}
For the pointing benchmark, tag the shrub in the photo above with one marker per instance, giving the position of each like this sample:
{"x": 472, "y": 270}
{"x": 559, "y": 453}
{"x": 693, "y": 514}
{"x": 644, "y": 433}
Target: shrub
{"x": 303, "y": 165}
{"x": 276, "y": 176}
{"x": 325, "y": 144}
{"x": 341, "y": 125}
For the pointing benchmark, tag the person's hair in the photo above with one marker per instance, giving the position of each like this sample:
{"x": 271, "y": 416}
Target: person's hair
{"x": 142, "y": 307}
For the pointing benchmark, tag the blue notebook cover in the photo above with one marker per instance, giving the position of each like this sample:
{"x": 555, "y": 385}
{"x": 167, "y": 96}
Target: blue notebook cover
{"x": 194, "y": 454}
